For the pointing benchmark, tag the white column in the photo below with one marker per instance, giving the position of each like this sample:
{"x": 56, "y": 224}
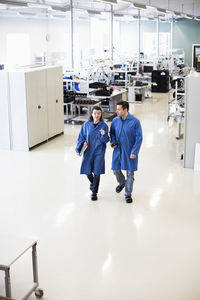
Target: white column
{"x": 72, "y": 33}
{"x": 138, "y": 63}
{"x": 158, "y": 52}
{"x": 111, "y": 32}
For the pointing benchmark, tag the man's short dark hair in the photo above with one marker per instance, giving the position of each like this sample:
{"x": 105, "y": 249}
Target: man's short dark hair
{"x": 124, "y": 105}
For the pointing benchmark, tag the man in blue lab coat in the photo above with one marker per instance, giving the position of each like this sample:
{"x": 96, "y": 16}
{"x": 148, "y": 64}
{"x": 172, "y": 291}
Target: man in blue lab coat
{"x": 126, "y": 139}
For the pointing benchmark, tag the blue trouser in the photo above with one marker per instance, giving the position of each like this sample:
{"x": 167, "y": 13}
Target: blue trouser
{"x": 128, "y": 182}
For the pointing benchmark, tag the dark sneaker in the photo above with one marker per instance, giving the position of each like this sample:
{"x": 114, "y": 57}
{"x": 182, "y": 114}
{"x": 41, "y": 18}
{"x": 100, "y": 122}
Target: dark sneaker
{"x": 94, "y": 197}
{"x": 128, "y": 199}
{"x": 91, "y": 186}
{"x": 119, "y": 188}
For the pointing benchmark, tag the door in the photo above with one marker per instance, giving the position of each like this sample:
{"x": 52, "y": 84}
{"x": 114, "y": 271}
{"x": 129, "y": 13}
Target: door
{"x": 36, "y": 98}
{"x": 55, "y": 100}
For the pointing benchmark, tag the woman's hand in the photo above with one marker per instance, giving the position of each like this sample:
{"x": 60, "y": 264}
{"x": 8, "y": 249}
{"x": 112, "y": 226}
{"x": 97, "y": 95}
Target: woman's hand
{"x": 102, "y": 131}
{"x": 77, "y": 153}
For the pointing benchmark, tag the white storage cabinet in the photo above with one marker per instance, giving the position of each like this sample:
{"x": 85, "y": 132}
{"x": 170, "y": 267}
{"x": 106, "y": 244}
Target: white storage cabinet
{"x": 36, "y": 98}
{"x": 4, "y": 112}
{"x": 192, "y": 118}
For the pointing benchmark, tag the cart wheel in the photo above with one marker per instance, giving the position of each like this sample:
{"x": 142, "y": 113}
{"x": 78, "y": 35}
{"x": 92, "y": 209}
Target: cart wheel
{"x": 39, "y": 293}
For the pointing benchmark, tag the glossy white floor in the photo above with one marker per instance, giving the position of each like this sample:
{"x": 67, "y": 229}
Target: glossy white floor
{"x": 107, "y": 250}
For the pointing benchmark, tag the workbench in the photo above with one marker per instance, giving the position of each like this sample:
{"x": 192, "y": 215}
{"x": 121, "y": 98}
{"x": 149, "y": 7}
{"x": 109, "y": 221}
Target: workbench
{"x": 12, "y": 249}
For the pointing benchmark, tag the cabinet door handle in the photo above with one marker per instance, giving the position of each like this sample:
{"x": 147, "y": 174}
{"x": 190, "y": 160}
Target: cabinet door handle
{"x": 39, "y": 106}
{"x": 56, "y": 100}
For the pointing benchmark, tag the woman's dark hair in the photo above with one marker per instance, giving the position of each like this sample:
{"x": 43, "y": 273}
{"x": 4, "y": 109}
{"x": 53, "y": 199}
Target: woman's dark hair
{"x": 95, "y": 108}
{"x": 124, "y": 104}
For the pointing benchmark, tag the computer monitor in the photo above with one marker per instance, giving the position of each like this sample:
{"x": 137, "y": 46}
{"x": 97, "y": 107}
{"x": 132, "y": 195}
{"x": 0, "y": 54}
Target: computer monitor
{"x": 148, "y": 69}
{"x": 196, "y": 56}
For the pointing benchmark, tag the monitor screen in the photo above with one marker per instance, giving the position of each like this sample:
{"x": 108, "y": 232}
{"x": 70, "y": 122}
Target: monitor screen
{"x": 196, "y": 56}
{"x": 148, "y": 69}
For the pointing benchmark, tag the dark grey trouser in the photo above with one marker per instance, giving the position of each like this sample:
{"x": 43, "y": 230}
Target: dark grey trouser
{"x": 94, "y": 180}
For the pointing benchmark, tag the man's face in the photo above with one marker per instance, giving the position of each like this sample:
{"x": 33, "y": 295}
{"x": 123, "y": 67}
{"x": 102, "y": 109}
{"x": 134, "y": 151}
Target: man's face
{"x": 120, "y": 111}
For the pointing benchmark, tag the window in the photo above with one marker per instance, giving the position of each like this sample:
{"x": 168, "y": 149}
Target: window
{"x": 150, "y": 43}
{"x": 18, "y": 49}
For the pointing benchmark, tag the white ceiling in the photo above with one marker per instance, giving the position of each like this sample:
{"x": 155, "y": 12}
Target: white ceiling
{"x": 126, "y": 7}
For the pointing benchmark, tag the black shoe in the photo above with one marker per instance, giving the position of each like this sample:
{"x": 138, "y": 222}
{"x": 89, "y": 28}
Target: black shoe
{"x": 119, "y": 188}
{"x": 128, "y": 199}
{"x": 94, "y": 197}
{"x": 91, "y": 186}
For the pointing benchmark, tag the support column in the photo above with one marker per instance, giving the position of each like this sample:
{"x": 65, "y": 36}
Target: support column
{"x": 72, "y": 33}
{"x": 111, "y": 32}
{"x": 138, "y": 63}
{"x": 158, "y": 41}
{"x": 172, "y": 34}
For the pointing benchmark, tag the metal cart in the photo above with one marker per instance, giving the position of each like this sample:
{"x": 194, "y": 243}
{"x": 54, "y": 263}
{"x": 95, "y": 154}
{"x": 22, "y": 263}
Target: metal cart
{"x": 11, "y": 250}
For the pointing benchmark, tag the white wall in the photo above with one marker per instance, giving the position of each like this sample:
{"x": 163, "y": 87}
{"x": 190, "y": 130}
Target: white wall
{"x": 35, "y": 28}
{"x": 57, "y": 32}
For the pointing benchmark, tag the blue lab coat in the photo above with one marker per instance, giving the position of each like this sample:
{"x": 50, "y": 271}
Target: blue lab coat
{"x": 129, "y": 134}
{"x": 94, "y": 156}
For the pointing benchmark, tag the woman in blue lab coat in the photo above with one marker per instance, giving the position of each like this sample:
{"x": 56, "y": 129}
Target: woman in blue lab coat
{"x": 95, "y": 133}
{"x": 126, "y": 139}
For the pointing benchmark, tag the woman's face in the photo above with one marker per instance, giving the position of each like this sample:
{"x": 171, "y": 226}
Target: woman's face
{"x": 96, "y": 114}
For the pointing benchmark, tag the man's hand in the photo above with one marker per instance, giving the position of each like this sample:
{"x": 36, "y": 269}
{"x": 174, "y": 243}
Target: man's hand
{"x": 132, "y": 156}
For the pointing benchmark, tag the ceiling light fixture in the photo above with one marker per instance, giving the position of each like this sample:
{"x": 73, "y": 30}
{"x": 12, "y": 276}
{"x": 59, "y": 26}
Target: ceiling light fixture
{"x": 27, "y": 14}
{"x": 162, "y": 10}
{"x": 93, "y": 12}
{"x": 61, "y": 8}
{"x": 107, "y": 1}
{"x": 177, "y": 13}
{"x": 139, "y": 5}
{"x": 59, "y": 16}
{"x": 150, "y": 7}
{"x": 14, "y": 3}
{"x": 188, "y": 16}
{"x": 118, "y": 15}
